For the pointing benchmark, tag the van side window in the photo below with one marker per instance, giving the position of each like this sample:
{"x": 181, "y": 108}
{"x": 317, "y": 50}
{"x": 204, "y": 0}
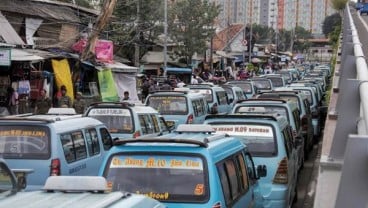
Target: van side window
{"x": 146, "y": 124}
{"x": 92, "y": 142}
{"x": 242, "y": 172}
{"x": 288, "y": 139}
{"x": 250, "y": 167}
{"x": 195, "y": 107}
{"x": 155, "y": 123}
{"x": 74, "y": 146}
{"x": 307, "y": 107}
{"x": 222, "y": 98}
{"x": 198, "y": 107}
{"x": 106, "y": 138}
{"x": 296, "y": 115}
{"x": 234, "y": 179}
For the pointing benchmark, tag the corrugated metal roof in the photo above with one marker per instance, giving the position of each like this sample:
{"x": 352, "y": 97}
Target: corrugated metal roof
{"x": 43, "y": 10}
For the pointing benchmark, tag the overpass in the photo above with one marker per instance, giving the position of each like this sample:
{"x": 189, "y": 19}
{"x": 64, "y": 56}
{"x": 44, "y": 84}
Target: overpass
{"x": 343, "y": 168}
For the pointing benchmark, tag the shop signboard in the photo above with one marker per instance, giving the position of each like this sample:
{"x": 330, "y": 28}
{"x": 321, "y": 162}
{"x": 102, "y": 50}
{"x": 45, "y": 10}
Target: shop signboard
{"x": 5, "y": 56}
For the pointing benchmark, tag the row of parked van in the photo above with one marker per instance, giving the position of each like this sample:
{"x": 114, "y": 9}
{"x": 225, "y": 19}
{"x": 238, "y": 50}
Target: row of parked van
{"x": 250, "y": 154}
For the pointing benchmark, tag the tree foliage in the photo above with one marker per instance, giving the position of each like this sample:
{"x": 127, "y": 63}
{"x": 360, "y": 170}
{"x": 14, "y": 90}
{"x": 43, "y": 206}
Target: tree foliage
{"x": 190, "y": 25}
{"x": 330, "y": 23}
{"x": 131, "y": 28}
{"x": 338, "y": 4}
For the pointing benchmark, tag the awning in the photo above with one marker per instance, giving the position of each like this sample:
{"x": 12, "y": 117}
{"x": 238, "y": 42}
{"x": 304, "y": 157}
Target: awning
{"x": 224, "y": 54}
{"x": 179, "y": 70}
{"x": 119, "y": 67}
{"x": 23, "y": 55}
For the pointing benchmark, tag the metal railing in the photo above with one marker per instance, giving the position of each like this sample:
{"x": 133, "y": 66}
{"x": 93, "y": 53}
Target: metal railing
{"x": 342, "y": 179}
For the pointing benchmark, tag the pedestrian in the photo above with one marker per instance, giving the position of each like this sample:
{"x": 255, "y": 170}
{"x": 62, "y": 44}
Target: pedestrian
{"x": 126, "y": 96}
{"x": 180, "y": 83}
{"x": 153, "y": 86}
{"x": 13, "y": 101}
{"x": 166, "y": 85}
{"x": 145, "y": 88}
{"x": 43, "y": 103}
{"x": 194, "y": 79}
{"x": 79, "y": 103}
{"x": 64, "y": 100}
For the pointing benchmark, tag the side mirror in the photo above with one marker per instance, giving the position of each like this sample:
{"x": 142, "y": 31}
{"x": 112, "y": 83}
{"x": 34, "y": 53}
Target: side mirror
{"x": 261, "y": 171}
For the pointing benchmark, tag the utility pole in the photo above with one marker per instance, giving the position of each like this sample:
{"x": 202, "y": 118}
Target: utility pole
{"x": 250, "y": 32}
{"x": 165, "y": 39}
{"x": 136, "y": 45}
{"x": 102, "y": 19}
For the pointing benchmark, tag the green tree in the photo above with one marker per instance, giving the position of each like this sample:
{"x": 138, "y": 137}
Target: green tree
{"x": 338, "y": 4}
{"x": 302, "y": 35}
{"x": 330, "y": 23}
{"x": 132, "y": 26}
{"x": 190, "y": 26}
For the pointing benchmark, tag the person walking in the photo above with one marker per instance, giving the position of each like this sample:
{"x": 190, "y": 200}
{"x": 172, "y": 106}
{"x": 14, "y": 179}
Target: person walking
{"x": 126, "y": 96}
{"x": 13, "y": 103}
{"x": 43, "y": 103}
{"x": 64, "y": 100}
{"x": 79, "y": 103}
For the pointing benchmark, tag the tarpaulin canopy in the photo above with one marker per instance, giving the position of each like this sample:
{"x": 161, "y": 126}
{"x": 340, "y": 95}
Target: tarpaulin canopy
{"x": 178, "y": 70}
{"x": 22, "y": 55}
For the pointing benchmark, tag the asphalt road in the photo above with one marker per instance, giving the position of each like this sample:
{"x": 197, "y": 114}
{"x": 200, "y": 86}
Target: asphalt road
{"x": 308, "y": 178}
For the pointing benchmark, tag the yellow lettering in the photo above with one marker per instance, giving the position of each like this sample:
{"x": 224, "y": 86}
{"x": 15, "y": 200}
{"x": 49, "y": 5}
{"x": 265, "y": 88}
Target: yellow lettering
{"x": 134, "y": 162}
{"x": 150, "y": 162}
{"x": 176, "y": 163}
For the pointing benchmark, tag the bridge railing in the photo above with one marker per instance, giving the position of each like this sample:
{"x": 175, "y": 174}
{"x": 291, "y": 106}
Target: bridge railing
{"x": 343, "y": 171}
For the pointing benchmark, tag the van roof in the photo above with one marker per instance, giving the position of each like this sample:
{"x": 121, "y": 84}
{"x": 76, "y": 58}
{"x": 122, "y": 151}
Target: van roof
{"x": 261, "y": 118}
{"x": 60, "y": 123}
{"x": 261, "y": 101}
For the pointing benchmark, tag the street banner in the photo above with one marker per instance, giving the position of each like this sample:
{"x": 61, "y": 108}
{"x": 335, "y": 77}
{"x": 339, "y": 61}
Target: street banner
{"x": 107, "y": 86}
{"x": 63, "y": 76}
{"x": 5, "y": 54}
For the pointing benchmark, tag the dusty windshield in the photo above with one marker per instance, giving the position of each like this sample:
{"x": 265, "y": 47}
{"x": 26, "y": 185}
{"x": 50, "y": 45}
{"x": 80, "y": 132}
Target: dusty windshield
{"x": 206, "y": 92}
{"x": 262, "y": 109}
{"x": 24, "y": 142}
{"x": 117, "y": 120}
{"x": 172, "y": 178}
{"x": 169, "y": 105}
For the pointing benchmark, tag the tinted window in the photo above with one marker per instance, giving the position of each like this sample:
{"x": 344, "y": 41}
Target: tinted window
{"x": 169, "y": 105}
{"x": 24, "y": 142}
{"x": 276, "y": 81}
{"x": 222, "y": 98}
{"x": 106, "y": 138}
{"x": 260, "y": 139}
{"x": 117, "y": 120}
{"x": 224, "y": 182}
{"x": 171, "y": 178}
{"x": 206, "y": 92}
{"x": 147, "y": 125}
{"x": 262, "y": 84}
{"x": 246, "y": 87}
{"x": 271, "y": 109}
{"x": 92, "y": 142}
{"x": 155, "y": 123}
{"x": 74, "y": 146}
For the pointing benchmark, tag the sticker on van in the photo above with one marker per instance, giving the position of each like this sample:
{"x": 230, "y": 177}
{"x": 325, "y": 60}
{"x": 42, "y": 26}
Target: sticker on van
{"x": 260, "y": 139}
{"x": 117, "y": 120}
{"x": 169, "y": 105}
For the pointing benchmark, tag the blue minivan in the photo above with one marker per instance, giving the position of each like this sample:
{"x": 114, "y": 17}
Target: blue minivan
{"x": 191, "y": 168}
{"x": 270, "y": 141}
{"x": 53, "y": 145}
{"x": 179, "y": 107}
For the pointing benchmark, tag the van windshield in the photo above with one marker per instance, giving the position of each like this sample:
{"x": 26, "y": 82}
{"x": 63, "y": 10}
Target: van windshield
{"x": 276, "y": 81}
{"x": 263, "y": 109}
{"x": 206, "y": 92}
{"x": 169, "y": 105}
{"x": 262, "y": 84}
{"x": 117, "y": 120}
{"x": 260, "y": 139}
{"x": 246, "y": 87}
{"x": 169, "y": 178}
{"x": 24, "y": 142}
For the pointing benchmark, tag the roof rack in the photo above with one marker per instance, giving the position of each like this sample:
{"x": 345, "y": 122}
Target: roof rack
{"x": 161, "y": 140}
{"x": 123, "y": 104}
{"x": 194, "y": 128}
{"x": 261, "y": 99}
{"x": 200, "y": 142}
{"x": 171, "y": 91}
{"x": 76, "y": 183}
{"x": 13, "y": 118}
{"x": 266, "y": 115}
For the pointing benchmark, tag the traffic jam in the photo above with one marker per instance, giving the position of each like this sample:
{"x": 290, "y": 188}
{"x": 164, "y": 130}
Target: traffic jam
{"x": 240, "y": 143}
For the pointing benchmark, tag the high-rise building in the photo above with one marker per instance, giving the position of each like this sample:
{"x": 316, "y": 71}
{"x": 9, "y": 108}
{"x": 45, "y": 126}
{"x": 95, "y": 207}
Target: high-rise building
{"x": 278, "y": 14}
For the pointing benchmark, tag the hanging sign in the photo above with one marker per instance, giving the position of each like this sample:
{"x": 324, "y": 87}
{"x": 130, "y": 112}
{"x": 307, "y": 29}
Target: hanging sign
{"x": 5, "y": 56}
